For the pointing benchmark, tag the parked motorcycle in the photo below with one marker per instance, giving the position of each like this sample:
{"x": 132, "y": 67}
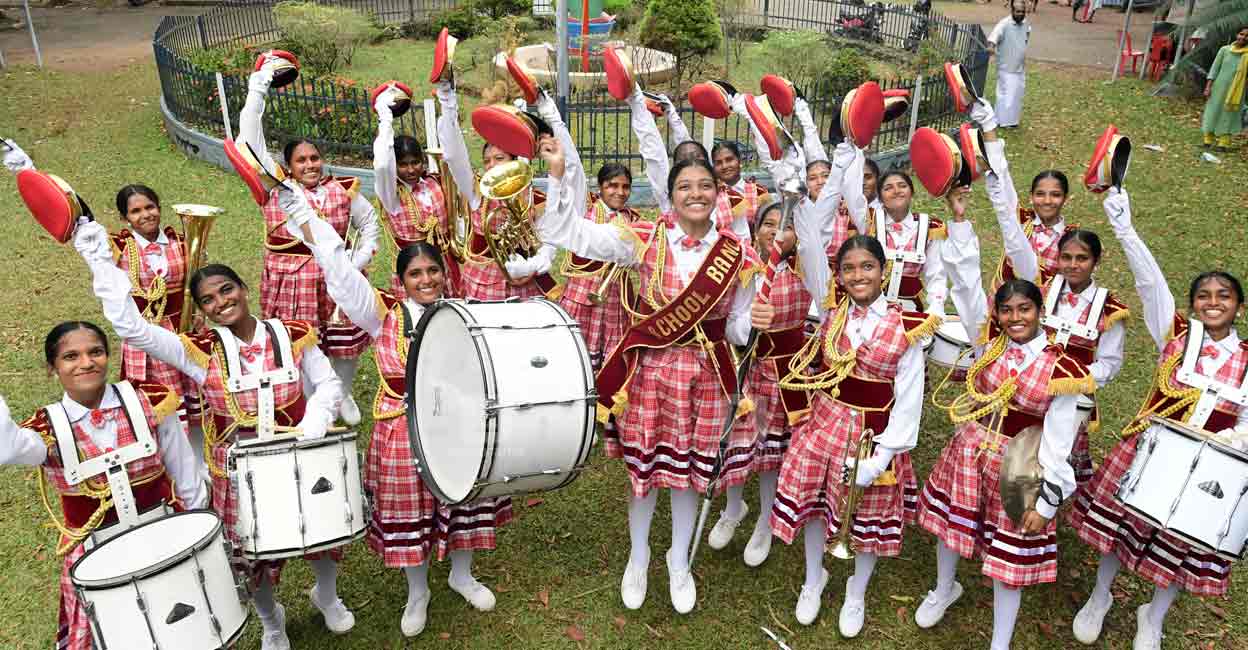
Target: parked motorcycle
{"x": 861, "y": 25}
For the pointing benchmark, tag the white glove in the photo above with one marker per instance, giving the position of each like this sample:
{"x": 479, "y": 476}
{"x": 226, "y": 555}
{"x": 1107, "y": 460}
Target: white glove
{"x": 91, "y": 241}
{"x": 1234, "y": 438}
{"x": 738, "y": 104}
{"x": 982, "y": 113}
{"x": 518, "y": 267}
{"x": 802, "y": 110}
{"x": 447, "y": 97}
{"x": 295, "y": 205}
{"x": 15, "y": 160}
{"x": 668, "y": 106}
{"x": 844, "y": 154}
{"x": 384, "y": 99}
{"x": 312, "y": 427}
{"x": 260, "y": 80}
{"x": 1118, "y": 208}
{"x": 871, "y": 468}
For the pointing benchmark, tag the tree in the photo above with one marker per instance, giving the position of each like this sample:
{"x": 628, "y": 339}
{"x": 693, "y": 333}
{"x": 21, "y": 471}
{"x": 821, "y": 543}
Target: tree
{"x": 1221, "y": 21}
{"x": 686, "y": 29}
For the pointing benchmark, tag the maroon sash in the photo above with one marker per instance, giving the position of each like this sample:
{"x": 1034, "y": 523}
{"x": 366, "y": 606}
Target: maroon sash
{"x": 678, "y": 323}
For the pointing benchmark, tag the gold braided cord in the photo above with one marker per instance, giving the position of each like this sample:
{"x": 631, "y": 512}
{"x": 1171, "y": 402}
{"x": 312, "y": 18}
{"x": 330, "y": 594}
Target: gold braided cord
{"x": 1184, "y": 398}
{"x": 383, "y": 387}
{"x": 156, "y": 294}
{"x": 72, "y": 536}
{"x": 652, "y": 292}
{"x": 972, "y": 404}
{"x": 239, "y": 417}
{"x": 429, "y": 226}
{"x": 839, "y": 364}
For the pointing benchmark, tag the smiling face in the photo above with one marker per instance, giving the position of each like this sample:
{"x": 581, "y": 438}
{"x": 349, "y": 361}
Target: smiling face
{"x": 727, "y": 166}
{"x": 1241, "y": 39}
{"x": 143, "y": 215}
{"x": 861, "y": 274}
{"x": 222, "y": 300}
{"x": 411, "y": 169}
{"x": 1047, "y": 199}
{"x": 1076, "y": 264}
{"x": 766, "y": 235}
{"x": 423, "y": 280}
{"x": 81, "y": 363}
{"x": 615, "y": 191}
{"x": 816, "y": 178}
{"x": 1018, "y": 317}
{"x": 1216, "y": 304}
{"x": 895, "y": 194}
{"x": 868, "y": 183}
{"x": 492, "y": 156}
{"x": 693, "y": 194}
{"x": 306, "y": 164}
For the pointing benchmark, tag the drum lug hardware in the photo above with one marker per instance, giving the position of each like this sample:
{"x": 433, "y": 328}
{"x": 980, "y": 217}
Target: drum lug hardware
{"x": 216, "y": 625}
{"x": 539, "y": 361}
{"x": 199, "y": 573}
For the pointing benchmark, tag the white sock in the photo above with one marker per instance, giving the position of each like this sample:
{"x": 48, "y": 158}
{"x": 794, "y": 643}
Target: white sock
{"x": 266, "y": 606}
{"x": 684, "y": 520}
{"x": 946, "y": 568}
{"x": 736, "y": 501}
{"x": 864, "y": 565}
{"x": 640, "y": 513}
{"x": 766, "y": 497}
{"x": 326, "y": 590}
{"x": 417, "y": 582}
{"x": 1005, "y": 602}
{"x": 815, "y": 534}
{"x": 461, "y": 567}
{"x": 1106, "y": 571}
{"x": 345, "y": 368}
{"x": 1162, "y": 600}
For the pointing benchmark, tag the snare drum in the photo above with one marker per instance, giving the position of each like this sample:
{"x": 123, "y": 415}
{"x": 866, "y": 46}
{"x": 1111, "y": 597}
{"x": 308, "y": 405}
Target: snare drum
{"x": 949, "y": 348}
{"x": 164, "y": 584}
{"x": 1191, "y": 485}
{"x": 297, "y": 496}
{"x": 501, "y": 398}
{"x": 1083, "y": 412}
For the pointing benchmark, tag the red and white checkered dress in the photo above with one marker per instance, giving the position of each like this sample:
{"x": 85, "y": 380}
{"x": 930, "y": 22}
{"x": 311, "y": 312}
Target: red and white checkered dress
{"x": 292, "y": 285}
{"x": 844, "y": 230}
{"x": 668, "y": 433}
{"x": 810, "y": 482}
{"x": 73, "y": 625}
{"x": 480, "y": 275}
{"x": 289, "y": 404}
{"x": 422, "y": 218}
{"x": 408, "y": 524}
{"x": 135, "y": 364}
{"x": 1105, "y": 524}
{"x": 744, "y": 202}
{"x": 603, "y": 325}
{"x": 792, "y": 302}
{"x": 1043, "y": 242}
{"x": 961, "y": 501}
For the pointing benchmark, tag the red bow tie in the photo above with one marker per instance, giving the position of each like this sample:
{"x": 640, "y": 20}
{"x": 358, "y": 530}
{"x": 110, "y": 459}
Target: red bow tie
{"x": 99, "y": 417}
{"x": 1042, "y": 229}
{"x": 689, "y": 243}
{"x": 896, "y": 226}
{"x": 1014, "y": 355}
{"x": 151, "y": 249}
{"x": 858, "y": 312}
{"x": 249, "y": 352}
{"x": 1209, "y": 351}
{"x": 1072, "y": 299}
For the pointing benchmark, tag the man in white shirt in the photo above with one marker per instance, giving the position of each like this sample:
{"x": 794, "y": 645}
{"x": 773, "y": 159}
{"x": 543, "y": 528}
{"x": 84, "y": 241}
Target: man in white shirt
{"x": 1008, "y": 42}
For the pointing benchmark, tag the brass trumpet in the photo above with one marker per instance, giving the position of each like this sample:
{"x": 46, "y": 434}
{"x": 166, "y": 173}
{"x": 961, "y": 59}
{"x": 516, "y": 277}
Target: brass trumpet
{"x": 510, "y": 184}
{"x": 599, "y": 294}
{"x": 197, "y": 221}
{"x": 843, "y": 548}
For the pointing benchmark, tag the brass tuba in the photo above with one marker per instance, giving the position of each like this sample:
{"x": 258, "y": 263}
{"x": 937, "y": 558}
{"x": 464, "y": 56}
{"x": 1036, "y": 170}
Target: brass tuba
{"x": 843, "y": 548}
{"x": 509, "y": 183}
{"x": 197, "y": 221}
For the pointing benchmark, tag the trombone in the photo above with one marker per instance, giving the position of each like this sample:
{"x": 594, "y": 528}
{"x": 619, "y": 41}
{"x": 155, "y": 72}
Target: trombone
{"x": 197, "y": 221}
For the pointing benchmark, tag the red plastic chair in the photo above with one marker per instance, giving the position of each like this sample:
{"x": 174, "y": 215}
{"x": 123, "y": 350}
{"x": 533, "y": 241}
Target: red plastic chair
{"x": 1136, "y": 56}
{"x": 1160, "y": 54}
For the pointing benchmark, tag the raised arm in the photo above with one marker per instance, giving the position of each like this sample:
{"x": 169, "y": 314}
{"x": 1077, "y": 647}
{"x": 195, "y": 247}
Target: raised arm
{"x": 251, "y": 117}
{"x": 792, "y": 163}
{"x": 675, "y": 125}
{"x": 574, "y": 175}
{"x": 1150, "y": 282}
{"x": 454, "y": 150}
{"x": 112, "y": 286}
{"x": 385, "y": 166}
{"x": 851, "y": 187}
{"x": 811, "y": 143}
{"x": 562, "y": 223}
{"x": 651, "y": 146}
{"x": 960, "y": 254}
{"x": 15, "y": 160}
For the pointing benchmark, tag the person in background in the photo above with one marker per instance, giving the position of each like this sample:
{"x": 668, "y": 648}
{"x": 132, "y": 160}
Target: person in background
{"x": 1223, "y": 118}
{"x": 1008, "y": 42}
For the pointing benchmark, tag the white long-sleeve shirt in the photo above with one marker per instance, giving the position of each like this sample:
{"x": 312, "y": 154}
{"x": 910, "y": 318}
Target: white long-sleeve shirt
{"x": 651, "y": 147}
{"x": 961, "y": 258}
{"x": 21, "y": 446}
{"x": 902, "y": 432}
{"x": 814, "y": 222}
{"x": 363, "y": 215}
{"x": 812, "y": 146}
{"x": 561, "y": 225}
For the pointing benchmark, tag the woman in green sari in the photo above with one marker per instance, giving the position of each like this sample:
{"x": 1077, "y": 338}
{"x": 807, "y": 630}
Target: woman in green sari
{"x": 1225, "y": 89}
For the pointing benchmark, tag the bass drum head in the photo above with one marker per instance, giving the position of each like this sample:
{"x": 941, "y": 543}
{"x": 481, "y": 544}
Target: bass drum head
{"x": 144, "y": 549}
{"x": 447, "y": 384}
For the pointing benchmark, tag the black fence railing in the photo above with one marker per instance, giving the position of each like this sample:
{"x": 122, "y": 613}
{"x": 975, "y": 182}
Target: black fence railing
{"x": 335, "y": 113}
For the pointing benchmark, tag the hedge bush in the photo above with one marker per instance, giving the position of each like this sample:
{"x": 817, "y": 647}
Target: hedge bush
{"x": 323, "y": 37}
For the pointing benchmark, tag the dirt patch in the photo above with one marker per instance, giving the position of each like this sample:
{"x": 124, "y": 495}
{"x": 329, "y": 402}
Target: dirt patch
{"x": 87, "y": 38}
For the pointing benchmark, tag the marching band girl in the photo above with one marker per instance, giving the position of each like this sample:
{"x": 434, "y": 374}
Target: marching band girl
{"x": 726, "y": 159}
{"x": 96, "y": 417}
{"x": 292, "y": 286}
{"x": 409, "y": 527}
{"x": 415, "y": 208}
{"x": 480, "y": 276}
{"x": 869, "y": 393}
{"x": 1077, "y": 298}
{"x": 1122, "y": 538}
{"x": 256, "y": 346}
{"x": 669, "y": 380}
{"x": 1018, "y": 381}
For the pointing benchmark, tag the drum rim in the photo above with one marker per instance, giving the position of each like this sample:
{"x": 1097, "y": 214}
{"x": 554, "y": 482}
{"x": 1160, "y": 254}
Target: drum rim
{"x": 267, "y": 448}
{"x": 409, "y": 383}
{"x": 591, "y": 387}
{"x": 1199, "y": 435}
{"x": 155, "y": 569}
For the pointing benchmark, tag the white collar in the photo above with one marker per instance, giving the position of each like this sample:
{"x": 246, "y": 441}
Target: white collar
{"x": 675, "y": 234}
{"x": 1087, "y": 294}
{"x": 161, "y": 238}
{"x": 77, "y": 411}
{"x": 1230, "y": 342}
{"x": 879, "y": 307}
{"x": 1033, "y": 347}
{"x": 414, "y": 308}
{"x": 1058, "y": 227}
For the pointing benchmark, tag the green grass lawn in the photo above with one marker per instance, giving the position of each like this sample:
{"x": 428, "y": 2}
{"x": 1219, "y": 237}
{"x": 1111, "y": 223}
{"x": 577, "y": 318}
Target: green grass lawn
{"x": 558, "y": 566}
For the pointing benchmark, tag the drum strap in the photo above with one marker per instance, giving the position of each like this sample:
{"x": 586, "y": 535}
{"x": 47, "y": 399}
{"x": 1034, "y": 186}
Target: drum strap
{"x": 898, "y": 258}
{"x": 262, "y": 382}
{"x": 1211, "y": 390}
{"x": 1062, "y": 328}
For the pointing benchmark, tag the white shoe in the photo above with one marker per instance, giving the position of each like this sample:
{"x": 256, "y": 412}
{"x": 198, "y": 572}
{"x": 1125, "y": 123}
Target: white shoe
{"x": 853, "y": 613}
{"x": 810, "y": 600}
{"x": 633, "y": 586}
{"x": 1091, "y": 618}
{"x": 683, "y": 591}
{"x": 338, "y": 619}
{"x": 933, "y": 607}
{"x": 721, "y": 532}
{"x": 349, "y": 411}
{"x": 275, "y": 638}
{"x": 759, "y": 547}
{"x": 1147, "y": 636}
{"x": 415, "y": 615}
{"x": 477, "y": 594}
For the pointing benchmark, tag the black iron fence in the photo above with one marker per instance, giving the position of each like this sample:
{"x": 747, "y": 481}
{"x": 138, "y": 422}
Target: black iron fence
{"x": 335, "y": 113}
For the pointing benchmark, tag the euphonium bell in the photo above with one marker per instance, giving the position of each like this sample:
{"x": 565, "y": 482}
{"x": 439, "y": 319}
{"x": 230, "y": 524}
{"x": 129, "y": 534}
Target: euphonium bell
{"x": 197, "y": 221}
{"x": 509, "y": 184}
